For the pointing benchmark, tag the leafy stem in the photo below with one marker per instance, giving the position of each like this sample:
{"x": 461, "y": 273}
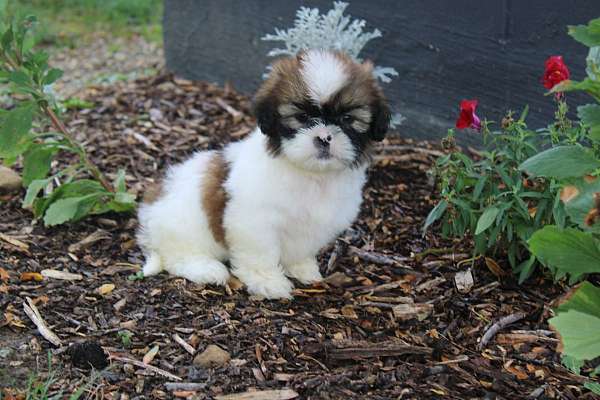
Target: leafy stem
{"x": 94, "y": 170}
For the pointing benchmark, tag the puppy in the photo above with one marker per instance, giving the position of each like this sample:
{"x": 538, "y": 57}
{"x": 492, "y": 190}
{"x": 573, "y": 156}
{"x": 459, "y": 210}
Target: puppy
{"x": 270, "y": 202}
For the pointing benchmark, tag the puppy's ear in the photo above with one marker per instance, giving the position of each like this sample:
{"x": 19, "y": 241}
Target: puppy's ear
{"x": 380, "y": 121}
{"x": 267, "y": 116}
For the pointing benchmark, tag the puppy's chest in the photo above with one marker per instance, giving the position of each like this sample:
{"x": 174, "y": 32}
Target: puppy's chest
{"x": 316, "y": 211}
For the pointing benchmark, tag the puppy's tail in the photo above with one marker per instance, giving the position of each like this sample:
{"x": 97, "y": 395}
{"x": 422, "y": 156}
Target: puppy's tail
{"x": 153, "y": 265}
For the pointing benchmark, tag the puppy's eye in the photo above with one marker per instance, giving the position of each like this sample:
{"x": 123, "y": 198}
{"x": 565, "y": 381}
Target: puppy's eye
{"x": 347, "y": 119}
{"x": 302, "y": 117}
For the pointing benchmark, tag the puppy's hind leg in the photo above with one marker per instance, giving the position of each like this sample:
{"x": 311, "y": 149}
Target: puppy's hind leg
{"x": 153, "y": 264}
{"x": 200, "y": 269}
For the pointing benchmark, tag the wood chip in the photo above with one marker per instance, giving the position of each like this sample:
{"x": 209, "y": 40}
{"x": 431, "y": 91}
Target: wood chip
{"x": 34, "y": 314}
{"x": 405, "y": 312}
{"x": 149, "y": 356}
{"x": 89, "y": 240}
{"x": 464, "y": 281}
{"x": 150, "y": 368}
{"x": 184, "y": 344}
{"x": 15, "y": 242}
{"x": 106, "y": 288}
{"x": 283, "y": 394}
{"x": 62, "y": 275}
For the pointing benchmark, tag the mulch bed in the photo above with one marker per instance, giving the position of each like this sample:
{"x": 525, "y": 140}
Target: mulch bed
{"x": 389, "y": 322}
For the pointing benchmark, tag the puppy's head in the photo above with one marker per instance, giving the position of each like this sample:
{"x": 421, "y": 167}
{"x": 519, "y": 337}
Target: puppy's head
{"x": 321, "y": 110}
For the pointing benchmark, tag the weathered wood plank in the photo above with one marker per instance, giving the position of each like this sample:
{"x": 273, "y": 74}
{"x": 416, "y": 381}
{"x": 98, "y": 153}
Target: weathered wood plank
{"x": 492, "y": 50}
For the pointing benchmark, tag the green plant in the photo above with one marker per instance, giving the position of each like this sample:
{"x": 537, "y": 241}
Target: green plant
{"x": 138, "y": 276}
{"x": 576, "y": 251}
{"x": 125, "y": 337}
{"x": 32, "y": 130}
{"x": 490, "y": 198}
{"x": 41, "y": 389}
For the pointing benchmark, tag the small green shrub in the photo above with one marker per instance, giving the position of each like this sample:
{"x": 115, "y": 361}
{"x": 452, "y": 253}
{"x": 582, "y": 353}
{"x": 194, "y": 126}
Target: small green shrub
{"x": 576, "y": 251}
{"x": 491, "y": 199}
{"x": 68, "y": 194}
{"x": 535, "y": 195}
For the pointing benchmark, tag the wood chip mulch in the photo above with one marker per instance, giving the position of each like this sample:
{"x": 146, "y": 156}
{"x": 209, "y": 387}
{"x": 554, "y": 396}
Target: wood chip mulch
{"x": 399, "y": 316}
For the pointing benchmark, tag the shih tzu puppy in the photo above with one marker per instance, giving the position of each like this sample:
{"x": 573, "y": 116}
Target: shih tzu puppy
{"x": 270, "y": 202}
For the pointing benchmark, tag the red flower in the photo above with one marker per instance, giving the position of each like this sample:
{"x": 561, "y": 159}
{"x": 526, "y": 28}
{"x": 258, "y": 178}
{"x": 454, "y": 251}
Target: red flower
{"x": 467, "y": 117}
{"x": 556, "y": 71}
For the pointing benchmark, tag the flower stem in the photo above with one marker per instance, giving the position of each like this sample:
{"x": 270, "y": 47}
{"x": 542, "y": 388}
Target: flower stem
{"x": 90, "y": 166}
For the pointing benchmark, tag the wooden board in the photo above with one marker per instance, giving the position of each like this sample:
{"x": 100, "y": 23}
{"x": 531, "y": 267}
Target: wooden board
{"x": 492, "y": 50}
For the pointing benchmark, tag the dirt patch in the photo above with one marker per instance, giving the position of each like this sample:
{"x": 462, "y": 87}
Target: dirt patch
{"x": 388, "y": 322}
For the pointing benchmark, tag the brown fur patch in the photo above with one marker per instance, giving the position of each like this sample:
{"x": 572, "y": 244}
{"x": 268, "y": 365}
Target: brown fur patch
{"x": 153, "y": 192}
{"x": 284, "y": 82}
{"x": 214, "y": 195}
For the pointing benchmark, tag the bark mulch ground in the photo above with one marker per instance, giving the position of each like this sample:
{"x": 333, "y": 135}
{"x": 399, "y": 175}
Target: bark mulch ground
{"x": 389, "y": 322}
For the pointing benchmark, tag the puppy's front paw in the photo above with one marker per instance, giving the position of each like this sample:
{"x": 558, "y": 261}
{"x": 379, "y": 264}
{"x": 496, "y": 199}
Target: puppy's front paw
{"x": 273, "y": 286}
{"x": 306, "y": 272}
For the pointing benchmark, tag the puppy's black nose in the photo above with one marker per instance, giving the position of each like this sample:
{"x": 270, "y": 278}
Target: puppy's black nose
{"x": 322, "y": 142}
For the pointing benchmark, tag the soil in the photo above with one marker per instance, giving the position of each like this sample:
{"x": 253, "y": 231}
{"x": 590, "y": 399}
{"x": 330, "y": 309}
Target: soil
{"x": 388, "y": 322}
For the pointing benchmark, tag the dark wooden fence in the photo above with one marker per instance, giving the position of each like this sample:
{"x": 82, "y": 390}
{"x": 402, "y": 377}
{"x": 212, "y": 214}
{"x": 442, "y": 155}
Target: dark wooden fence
{"x": 492, "y": 50}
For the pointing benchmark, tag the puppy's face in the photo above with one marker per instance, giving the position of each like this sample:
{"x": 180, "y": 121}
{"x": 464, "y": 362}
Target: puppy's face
{"x": 321, "y": 110}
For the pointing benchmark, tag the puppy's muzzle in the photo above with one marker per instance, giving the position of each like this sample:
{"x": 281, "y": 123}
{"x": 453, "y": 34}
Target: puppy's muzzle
{"x": 322, "y": 143}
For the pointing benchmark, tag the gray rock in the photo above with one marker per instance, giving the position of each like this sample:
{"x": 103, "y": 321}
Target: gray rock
{"x": 212, "y": 356}
{"x": 10, "y": 181}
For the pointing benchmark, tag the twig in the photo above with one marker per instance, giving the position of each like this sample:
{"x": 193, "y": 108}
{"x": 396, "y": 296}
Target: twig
{"x": 359, "y": 352}
{"x": 381, "y": 259}
{"x": 185, "y": 386}
{"x": 360, "y": 349}
{"x": 237, "y": 115}
{"x": 338, "y": 249}
{"x": 150, "y": 368}
{"x": 434, "y": 251}
{"x": 34, "y": 314}
{"x": 275, "y": 394}
{"x": 184, "y": 344}
{"x": 57, "y": 123}
{"x": 502, "y": 323}
{"x": 415, "y": 149}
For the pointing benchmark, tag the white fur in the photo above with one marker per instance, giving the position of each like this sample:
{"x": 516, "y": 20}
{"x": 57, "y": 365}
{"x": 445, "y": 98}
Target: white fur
{"x": 323, "y": 73}
{"x": 278, "y": 217}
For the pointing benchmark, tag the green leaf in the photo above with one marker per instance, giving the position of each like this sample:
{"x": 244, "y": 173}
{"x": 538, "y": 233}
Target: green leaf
{"x": 588, "y": 34}
{"x": 584, "y": 298}
{"x": 19, "y": 77}
{"x": 525, "y": 269}
{"x": 487, "y": 219}
{"x": 119, "y": 182}
{"x": 435, "y": 214}
{"x": 593, "y": 386}
{"x": 69, "y": 209}
{"x": 33, "y": 189}
{"x": 7, "y": 38}
{"x": 590, "y": 116}
{"x": 590, "y": 86}
{"x": 561, "y": 162}
{"x": 15, "y": 136}
{"x": 578, "y": 322}
{"x": 593, "y": 63}
{"x": 573, "y": 364}
{"x": 479, "y": 186}
{"x": 52, "y": 75}
{"x": 580, "y": 205}
{"x": 568, "y": 250}
{"x": 36, "y": 162}
{"x": 78, "y": 188}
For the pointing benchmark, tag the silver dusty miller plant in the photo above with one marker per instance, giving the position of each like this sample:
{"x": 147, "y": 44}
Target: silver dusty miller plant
{"x": 333, "y": 30}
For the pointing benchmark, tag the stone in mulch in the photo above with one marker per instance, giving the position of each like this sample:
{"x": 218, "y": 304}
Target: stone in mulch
{"x": 10, "y": 181}
{"x": 213, "y": 356}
